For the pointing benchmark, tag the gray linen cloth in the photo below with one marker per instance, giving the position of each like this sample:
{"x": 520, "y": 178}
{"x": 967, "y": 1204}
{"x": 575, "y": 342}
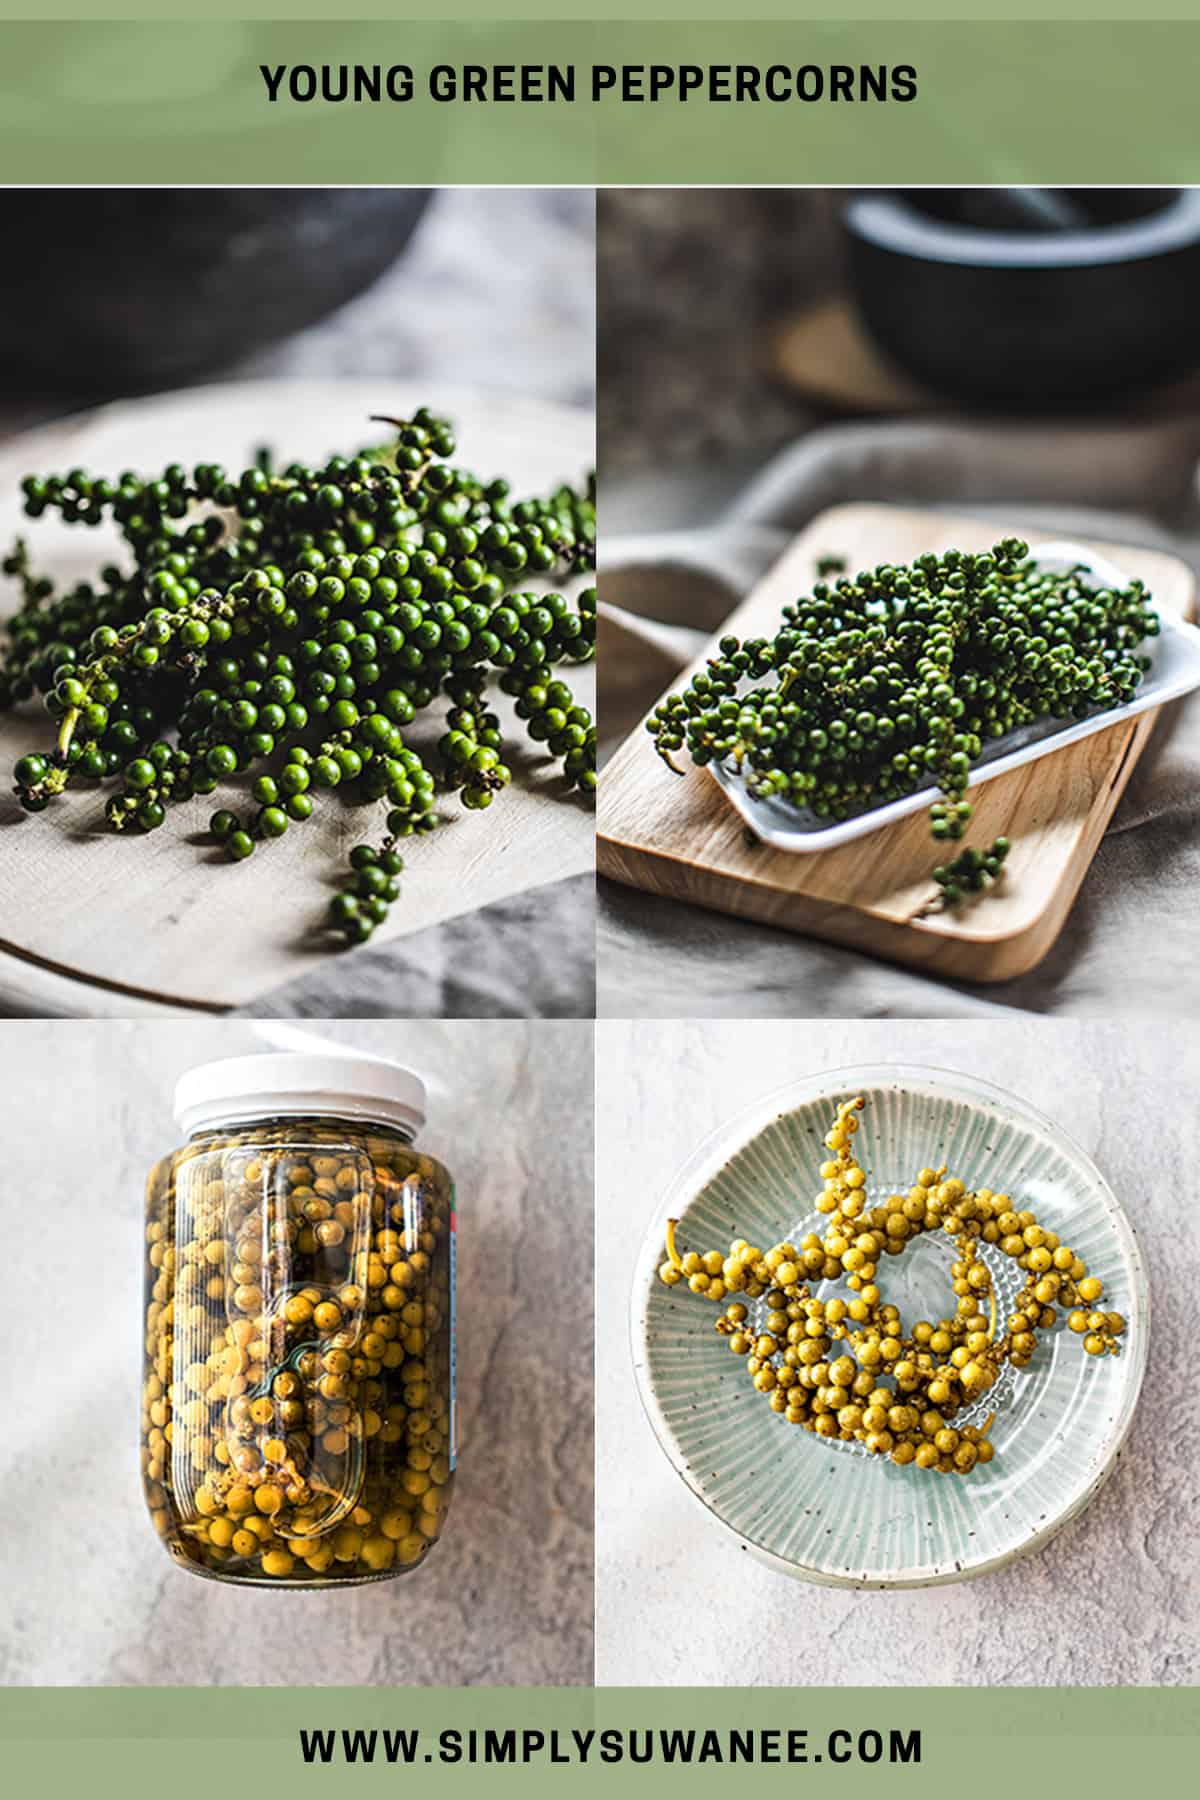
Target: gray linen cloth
{"x": 1132, "y": 942}
{"x": 527, "y": 957}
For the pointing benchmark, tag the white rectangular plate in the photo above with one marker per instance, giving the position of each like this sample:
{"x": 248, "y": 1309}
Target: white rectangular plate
{"x": 1175, "y": 671}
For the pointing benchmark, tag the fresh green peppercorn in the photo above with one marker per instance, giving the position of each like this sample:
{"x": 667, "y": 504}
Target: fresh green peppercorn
{"x": 221, "y": 760}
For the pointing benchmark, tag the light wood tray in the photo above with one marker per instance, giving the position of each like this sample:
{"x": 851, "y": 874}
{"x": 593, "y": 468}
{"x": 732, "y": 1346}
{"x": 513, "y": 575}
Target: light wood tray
{"x": 681, "y": 837}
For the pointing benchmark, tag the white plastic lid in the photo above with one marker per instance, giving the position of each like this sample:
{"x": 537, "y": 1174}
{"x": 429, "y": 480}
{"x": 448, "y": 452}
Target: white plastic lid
{"x": 286, "y": 1084}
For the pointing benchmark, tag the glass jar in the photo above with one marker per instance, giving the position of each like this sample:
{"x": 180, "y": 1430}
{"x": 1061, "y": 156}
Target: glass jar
{"x": 298, "y": 1395}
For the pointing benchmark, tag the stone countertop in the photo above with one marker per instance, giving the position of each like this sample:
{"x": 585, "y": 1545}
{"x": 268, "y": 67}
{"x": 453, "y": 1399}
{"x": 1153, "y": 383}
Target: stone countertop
{"x": 91, "y": 1598}
{"x": 1114, "y": 1599}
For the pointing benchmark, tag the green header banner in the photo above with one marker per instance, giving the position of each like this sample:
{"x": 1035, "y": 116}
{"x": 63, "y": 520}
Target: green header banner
{"x": 552, "y": 102}
{"x": 687, "y": 12}
{"x": 890, "y": 1743}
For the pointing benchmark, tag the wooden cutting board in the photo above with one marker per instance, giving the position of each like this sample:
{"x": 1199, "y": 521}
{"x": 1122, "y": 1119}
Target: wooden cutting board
{"x": 95, "y": 922}
{"x": 681, "y": 837}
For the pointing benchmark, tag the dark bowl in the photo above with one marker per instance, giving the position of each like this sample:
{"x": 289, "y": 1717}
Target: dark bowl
{"x": 984, "y": 301}
{"x": 126, "y": 289}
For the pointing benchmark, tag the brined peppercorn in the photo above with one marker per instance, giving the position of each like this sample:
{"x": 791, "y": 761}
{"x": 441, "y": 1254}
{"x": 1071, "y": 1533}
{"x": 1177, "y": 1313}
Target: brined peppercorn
{"x": 297, "y": 1394}
{"x": 896, "y": 680}
{"x": 290, "y": 627}
{"x": 845, "y": 1367}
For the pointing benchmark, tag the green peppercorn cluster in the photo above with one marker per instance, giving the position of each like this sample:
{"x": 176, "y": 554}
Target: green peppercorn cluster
{"x": 902, "y": 1395}
{"x": 289, "y": 627}
{"x": 894, "y": 680}
{"x": 971, "y": 871}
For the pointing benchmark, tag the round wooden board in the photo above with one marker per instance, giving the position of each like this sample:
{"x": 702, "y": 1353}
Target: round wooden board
{"x": 116, "y": 924}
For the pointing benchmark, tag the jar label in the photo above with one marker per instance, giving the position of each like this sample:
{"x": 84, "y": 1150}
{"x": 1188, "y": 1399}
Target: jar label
{"x": 453, "y": 1322}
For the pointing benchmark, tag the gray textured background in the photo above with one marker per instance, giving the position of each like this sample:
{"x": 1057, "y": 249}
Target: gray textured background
{"x": 90, "y": 1595}
{"x": 497, "y": 287}
{"x": 691, "y": 282}
{"x": 1114, "y": 1599}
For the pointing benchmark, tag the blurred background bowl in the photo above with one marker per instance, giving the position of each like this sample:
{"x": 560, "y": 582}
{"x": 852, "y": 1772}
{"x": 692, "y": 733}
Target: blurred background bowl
{"x": 124, "y": 290}
{"x": 1030, "y": 300}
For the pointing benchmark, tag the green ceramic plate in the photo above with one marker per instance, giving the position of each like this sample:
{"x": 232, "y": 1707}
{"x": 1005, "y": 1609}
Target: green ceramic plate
{"x": 831, "y": 1512}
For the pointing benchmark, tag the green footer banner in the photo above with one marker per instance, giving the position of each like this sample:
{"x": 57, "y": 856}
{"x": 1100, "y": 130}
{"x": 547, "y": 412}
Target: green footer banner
{"x": 849, "y": 1742}
{"x": 420, "y": 102}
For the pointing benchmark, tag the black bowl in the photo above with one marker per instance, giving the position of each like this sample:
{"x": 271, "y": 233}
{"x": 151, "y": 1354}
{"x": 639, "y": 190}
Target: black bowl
{"x": 125, "y": 289}
{"x": 1030, "y": 302}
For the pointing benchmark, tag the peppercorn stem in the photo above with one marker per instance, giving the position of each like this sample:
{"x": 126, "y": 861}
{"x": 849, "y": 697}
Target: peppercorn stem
{"x": 672, "y": 1252}
{"x": 412, "y": 478}
{"x": 66, "y": 730}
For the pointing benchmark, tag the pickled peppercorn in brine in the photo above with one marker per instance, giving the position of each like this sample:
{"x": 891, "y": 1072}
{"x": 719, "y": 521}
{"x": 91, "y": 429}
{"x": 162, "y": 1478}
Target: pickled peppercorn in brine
{"x": 297, "y": 1410}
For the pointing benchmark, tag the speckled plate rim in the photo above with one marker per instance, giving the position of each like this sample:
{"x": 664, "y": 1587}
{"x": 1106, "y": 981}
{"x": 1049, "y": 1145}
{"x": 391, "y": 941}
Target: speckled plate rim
{"x": 733, "y": 1135}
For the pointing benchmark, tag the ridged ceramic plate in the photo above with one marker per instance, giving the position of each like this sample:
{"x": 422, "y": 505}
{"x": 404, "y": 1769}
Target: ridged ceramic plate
{"x": 832, "y": 1513}
{"x": 1174, "y": 671}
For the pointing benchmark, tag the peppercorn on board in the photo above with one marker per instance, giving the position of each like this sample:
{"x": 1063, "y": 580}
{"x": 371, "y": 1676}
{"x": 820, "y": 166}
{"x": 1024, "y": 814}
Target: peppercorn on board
{"x": 157, "y": 917}
{"x": 680, "y": 836}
